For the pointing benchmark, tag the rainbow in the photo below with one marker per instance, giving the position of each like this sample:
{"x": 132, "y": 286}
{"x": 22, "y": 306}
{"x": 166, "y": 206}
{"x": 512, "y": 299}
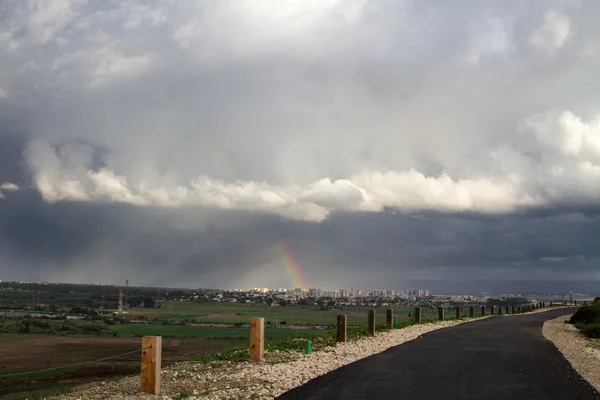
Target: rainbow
{"x": 291, "y": 267}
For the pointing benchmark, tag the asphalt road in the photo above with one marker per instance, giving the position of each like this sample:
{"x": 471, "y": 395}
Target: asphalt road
{"x": 504, "y": 358}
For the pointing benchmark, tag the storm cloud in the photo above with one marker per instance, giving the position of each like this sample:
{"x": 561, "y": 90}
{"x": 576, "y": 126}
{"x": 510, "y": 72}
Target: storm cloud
{"x": 382, "y": 141}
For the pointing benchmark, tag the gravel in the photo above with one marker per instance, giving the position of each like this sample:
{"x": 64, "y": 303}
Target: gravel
{"x": 230, "y": 380}
{"x": 582, "y": 353}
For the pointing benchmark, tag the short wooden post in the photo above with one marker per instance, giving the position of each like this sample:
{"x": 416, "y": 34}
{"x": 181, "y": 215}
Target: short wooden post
{"x": 440, "y": 313}
{"x": 342, "y": 328}
{"x": 257, "y": 339}
{"x": 513, "y": 309}
{"x": 499, "y": 310}
{"x": 564, "y": 303}
{"x": 518, "y": 309}
{"x": 389, "y": 317}
{"x": 575, "y": 302}
{"x": 372, "y": 322}
{"x": 151, "y": 360}
{"x": 418, "y": 315}
{"x": 482, "y": 310}
{"x": 458, "y": 312}
{"x": 506, "y": 310}
{"x": 471, "y": 312}
{"x": 492, "y": 310}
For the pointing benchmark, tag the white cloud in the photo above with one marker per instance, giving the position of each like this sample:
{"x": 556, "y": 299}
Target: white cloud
{"x": 8, "y": 186}
{"x": 553, "y": 34}
{"x": 572, "y": 166}
{"x": 303, "y": 108}
{"x": 494, "y": 40}
{"x": 188, "y": 32}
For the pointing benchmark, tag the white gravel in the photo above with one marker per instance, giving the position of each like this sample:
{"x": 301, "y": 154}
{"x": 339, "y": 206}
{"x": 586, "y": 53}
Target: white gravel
{"x": 582, "y": 353}
{"x": 265, "y": 380}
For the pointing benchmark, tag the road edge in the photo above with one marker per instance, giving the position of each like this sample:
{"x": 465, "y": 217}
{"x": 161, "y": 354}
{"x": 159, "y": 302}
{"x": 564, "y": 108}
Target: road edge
{"x": 575, "y": 348}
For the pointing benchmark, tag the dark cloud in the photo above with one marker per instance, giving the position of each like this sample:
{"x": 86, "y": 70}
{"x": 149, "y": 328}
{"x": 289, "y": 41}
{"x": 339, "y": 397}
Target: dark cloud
{"x": 108, "y": 243}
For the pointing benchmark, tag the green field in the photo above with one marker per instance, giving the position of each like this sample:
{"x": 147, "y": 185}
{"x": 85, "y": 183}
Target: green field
{"x": 303, "y": 315}
{"x": 207, "y": 332}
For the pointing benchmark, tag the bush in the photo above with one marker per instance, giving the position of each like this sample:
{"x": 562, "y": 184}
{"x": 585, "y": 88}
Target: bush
{"x": 592, "y": 330}
{"x": 586, "y": 315}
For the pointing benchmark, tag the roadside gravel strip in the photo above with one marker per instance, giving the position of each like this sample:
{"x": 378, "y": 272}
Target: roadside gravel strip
{"x": 245, "y": 380}
{"x": 579, "y": 351}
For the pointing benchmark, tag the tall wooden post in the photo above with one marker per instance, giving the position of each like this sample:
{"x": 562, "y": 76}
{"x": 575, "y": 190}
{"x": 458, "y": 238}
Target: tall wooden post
{"x": 418, "y": 315}
{"x": 342, "y": 328}
{"x": 151, "y": 360}
{"x": 458, "y": 312}
{"x": 441, "y": 313}
{"x": 257, "y": 339}
{"x": 372, "y": 322}
{"x": 471, "y": 312}
{"x": 389, "y": 317}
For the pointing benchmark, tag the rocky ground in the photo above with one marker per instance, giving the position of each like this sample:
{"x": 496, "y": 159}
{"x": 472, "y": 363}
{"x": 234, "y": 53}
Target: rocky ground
{"x": 281, "y": 371}
{"x": 582, "y": 353}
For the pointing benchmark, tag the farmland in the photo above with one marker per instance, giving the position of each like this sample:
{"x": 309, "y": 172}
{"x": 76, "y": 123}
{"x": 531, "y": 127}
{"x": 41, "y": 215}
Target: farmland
{"x": 231, "y": 313}
{"x": 19, "y": 352}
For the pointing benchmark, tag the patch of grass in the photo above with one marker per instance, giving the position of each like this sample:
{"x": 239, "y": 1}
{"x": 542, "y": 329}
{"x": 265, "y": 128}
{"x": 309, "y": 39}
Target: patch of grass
{"x": 237, "y": 354}
{"x": 207, "y": 332}
{"x": 180, "y": 396}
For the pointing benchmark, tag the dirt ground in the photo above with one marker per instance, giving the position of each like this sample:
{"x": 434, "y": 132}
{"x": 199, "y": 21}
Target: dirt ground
{"x": 33, "y": 352}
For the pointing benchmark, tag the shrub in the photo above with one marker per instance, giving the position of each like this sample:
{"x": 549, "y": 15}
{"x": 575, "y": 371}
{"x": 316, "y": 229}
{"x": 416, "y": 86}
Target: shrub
{"x": 592, "y": 330}
{"x": 586, "y": 315}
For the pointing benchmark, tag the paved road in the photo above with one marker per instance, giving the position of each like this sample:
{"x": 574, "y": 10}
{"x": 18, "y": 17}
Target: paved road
{"x": 504, "y": 358}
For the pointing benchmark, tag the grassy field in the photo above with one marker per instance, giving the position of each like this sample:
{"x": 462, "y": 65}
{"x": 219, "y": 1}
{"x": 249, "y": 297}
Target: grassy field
{"x": 207, "y": 332}
{"x": 303, "y": 315}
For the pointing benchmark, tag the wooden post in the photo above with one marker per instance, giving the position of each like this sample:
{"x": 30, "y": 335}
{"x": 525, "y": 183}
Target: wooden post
{"x": 440, "y": 313}
{"x": 564, "y": 303}
{"x": 418, "y": 315}
{"x": 257, "y": 339}
{"x": 372, "y": 322}
{"x": 482, "y": 310}
{"x": 506, "y": 310}
{"x": 518, "y": 309}
{"x": 389, "y": 317}
{"x": 471, "y": 312}
{"x": 513, "y": 309}
{"x": 575, "y": 302}
{"x": 342, "y": 328}
{"x": 151, "y": 360}
{"x": 458, "y": 312}
{"x": 499, "y": 310}
{"x": 492, "y": 310}
{"x": 585, "y": 302}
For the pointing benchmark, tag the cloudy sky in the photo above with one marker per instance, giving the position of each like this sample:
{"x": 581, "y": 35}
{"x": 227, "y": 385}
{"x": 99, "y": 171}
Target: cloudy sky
{"x": 327, "y": 143}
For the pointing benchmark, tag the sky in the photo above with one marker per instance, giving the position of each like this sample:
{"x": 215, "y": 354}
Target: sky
{"x": 284, "y": 143}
